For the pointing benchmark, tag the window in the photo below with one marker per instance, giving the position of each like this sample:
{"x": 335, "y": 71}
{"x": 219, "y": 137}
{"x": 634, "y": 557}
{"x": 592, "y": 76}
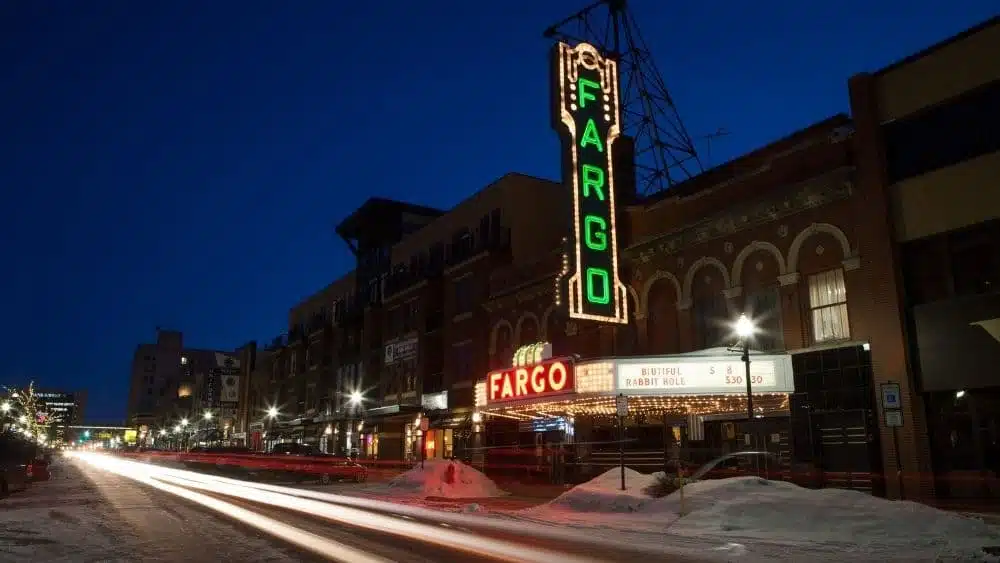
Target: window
{"x": 975, "y": 259}
{"x": 395, "y": 317}
{"x": 764, "y": 307}
{"x": 409, "y": 313}
{"x": 828, "y": 305}
{"x": 711, "y": 319}
{"x": 944, "y": 135}
{"x": 463, "y": 295}
{"x": 462, "y": 362}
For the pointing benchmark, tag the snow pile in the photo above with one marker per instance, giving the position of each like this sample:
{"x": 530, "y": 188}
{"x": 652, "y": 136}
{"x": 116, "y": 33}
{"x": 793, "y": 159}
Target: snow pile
{"x": 769, "y": 520}
{"x": 604, "y": 493}
{"x": 751, "y": 507}
{"x": 446, "y": 479}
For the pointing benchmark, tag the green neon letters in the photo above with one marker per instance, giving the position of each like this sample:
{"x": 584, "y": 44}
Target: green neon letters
{"x": 582, "y": 85}
{"x": 590, "y": 137}
{"x": 595, "y": 239}
{"x": 598, "y": 276}
{"x": 588, "y": 118}
{"x": 592, "y": 179}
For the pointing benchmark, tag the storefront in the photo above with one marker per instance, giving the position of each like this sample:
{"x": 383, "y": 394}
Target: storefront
{"x": 958, "y": 349}
{"x": 560, "y": 414}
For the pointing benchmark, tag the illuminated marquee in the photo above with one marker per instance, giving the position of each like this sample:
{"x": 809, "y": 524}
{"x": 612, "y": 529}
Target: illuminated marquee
{"x": 587, "y": 115}
{"x": 552, "y": 377}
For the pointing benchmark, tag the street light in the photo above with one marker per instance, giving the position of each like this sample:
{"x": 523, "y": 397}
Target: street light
{"x": 356, "y": 398}
{"x": 745, "y": 330}
{"x": 272, "y": 412}
{"x": 208, "y": 415}
{"x": 184, "y": 422}
{"x": 5, "y": 407}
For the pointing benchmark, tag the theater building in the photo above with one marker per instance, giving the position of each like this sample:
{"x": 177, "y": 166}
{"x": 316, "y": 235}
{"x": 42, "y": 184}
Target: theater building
{"x": 673, "y": 401}
{"x": 852, "y": 244}
{"x": 780, "y": 234}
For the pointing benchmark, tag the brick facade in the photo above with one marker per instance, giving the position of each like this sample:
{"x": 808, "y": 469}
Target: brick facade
{"x": 769, "y": 220}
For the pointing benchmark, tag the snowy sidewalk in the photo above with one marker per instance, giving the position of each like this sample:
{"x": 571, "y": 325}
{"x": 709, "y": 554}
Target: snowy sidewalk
{"x": 86, "y": 515}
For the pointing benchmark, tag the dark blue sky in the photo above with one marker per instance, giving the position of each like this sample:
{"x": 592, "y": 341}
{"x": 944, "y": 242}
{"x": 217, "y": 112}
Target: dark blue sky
{"x": 183, "y": 163}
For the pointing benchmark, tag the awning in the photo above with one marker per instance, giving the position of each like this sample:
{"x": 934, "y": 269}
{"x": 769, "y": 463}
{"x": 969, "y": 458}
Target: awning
{"x": 393, "y": 410}
{"x": 448, "y": 420}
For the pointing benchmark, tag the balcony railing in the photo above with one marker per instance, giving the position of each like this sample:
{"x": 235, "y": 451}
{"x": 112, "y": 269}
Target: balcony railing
{"x": 430, "y": 265}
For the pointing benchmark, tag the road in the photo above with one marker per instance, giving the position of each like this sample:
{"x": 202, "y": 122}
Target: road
{"x": 139, "y": 512}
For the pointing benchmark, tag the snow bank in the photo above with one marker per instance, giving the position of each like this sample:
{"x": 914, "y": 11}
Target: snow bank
{"x": 770, "y": 519}
{"x": 604, "y": 493}
{"x": 446, "y": 479}
{"x": 751, "y": 507}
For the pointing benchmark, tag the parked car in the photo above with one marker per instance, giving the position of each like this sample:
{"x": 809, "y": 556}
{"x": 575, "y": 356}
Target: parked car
{"x": 739, "y": 464}
{"x": 15, "y": 464}
{"x": 735, "y": 464}
{"x": 210, "y": 458}
{"x": 328, "y": 466}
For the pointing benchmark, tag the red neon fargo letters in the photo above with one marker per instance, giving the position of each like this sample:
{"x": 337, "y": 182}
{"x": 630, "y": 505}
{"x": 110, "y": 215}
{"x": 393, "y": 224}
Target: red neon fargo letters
{"x": 550, "y": 377}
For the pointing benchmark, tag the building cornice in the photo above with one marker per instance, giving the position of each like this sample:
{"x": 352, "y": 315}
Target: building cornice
{"x": 822, "y": 190}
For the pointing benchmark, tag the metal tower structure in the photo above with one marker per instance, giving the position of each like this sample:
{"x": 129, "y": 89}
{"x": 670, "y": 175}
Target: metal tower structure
{"x": 664, "y": 152}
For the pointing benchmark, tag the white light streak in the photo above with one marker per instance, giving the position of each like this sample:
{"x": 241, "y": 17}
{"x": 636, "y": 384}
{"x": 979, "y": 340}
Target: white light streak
{"x": 147, "y": 474}
{"x": 176, "y": 481}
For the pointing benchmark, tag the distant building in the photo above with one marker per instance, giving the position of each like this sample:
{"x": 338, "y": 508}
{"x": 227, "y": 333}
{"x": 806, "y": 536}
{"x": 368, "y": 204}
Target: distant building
{"x": 170, "y": 382}
{"x": 64, "y": 408}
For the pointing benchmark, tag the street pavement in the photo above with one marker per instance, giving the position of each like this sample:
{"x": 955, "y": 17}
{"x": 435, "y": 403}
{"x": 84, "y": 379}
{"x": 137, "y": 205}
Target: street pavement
{"x": 94, "y": 512}
{"x": 84, "y": 514}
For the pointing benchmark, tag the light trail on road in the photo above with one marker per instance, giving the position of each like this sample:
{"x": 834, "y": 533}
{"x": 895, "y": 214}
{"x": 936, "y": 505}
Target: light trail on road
{"x": 179, "y": 482}
{"x": 506, "y": 527}
{"x": 305, "y": 540}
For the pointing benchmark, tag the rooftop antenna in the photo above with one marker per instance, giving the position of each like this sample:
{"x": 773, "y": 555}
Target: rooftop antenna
{"x": 719, "y": 133}
{"x": 664, "y": 152}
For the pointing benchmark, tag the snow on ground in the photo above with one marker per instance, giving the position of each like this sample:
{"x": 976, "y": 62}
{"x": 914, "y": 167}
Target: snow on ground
{"x": 604, "y": 494}
{"x": 749, "y": 518}
{"x": 83, "y": 514}
{"x": 443, "y": 479}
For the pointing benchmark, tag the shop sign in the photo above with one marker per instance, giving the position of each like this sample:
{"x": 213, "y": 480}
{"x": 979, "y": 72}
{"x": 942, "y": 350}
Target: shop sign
{"x": 552, "y": 377}
{"x": 545, "y": 424}
{"x": 434, "y": 401}
{"x": 399, "y": 351}
{"x": 770, "y": 374}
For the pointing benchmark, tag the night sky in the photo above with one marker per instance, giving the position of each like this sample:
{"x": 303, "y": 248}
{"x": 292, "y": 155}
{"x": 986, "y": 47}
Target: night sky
{"x": 182, "y": 164}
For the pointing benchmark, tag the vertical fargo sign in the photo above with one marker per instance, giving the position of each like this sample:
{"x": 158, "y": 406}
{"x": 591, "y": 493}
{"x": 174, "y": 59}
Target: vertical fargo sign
{"x": 586, "y": 114}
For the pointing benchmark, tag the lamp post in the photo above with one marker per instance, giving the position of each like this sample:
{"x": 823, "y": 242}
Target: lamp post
{"x": 208, "y": 416}
{"x": 354, "y": 401}
{"x": 269, "y": 420}
{"x": 184, "y": 433}
{"x": 745, "y": 329}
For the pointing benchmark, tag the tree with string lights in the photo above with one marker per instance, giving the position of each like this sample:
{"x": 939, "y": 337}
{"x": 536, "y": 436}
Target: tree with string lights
{"x": 28, "y": 412}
